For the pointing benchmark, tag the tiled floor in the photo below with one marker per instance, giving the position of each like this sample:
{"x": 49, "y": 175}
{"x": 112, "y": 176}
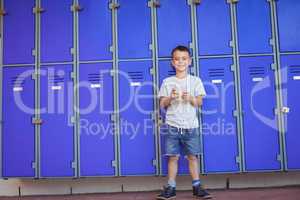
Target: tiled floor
{"x": 288, "y": 193}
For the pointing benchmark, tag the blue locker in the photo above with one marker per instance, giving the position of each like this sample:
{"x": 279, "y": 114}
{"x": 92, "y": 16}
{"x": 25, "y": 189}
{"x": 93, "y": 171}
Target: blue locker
{"x": 218, "y": 122}
{"x": 56, "y": 31}
{"x": 166, "y": 70}
{"x": 254, "y": 26}
{"x": 96, "y": 129}
{"x": 95, "y": 30}
{"x": 261, "y": 136}
{"x": 288, "y": 24}
{"x": 173, "y": 26}
{"x": 18, "y": 32}
{"x": 137, "y": 139}
{"x": 214, "y": 30}
{"x": 18, "y": 147}
{"x": 134, "y": 29}
{"x": 290, "y": 69}
{"x": 57, "y": 134}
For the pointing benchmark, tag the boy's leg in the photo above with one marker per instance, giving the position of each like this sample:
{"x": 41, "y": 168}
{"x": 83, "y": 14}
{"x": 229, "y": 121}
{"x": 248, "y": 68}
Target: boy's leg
{"x": 172, "y": 170}
{"x": 193, "y": 167}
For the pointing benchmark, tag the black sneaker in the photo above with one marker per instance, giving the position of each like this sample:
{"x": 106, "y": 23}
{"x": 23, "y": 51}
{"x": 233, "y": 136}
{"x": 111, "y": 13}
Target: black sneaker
{"x": 199, "y": 191}
{"x": 167, "y": 193}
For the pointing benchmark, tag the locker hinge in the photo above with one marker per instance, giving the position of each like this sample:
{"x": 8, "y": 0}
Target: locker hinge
{"x": 154, "y": 4}
{"x": 72, "y": 119}
{"x": 154, "y": 162}
{"x": 238, "y": 159}
{"x": 150, "y": 46}
{"x": 33, "y": 52}
{"x": 114, "y": 163}
{"x": 113, "y": 117}
{"x": 3, "y": 12}
{"x": 76, "y": 8}
{"x": 73, "y": 164}
{"x": 36, "y": 121}
{"x": 193, "y": 70}
{"x": 273, "y": 66}
{"x": 272, "y": 42}
{"x": 232, "y": 68}
{"x": 37, "y": 10}
{"x": 191, "y": 45}
{"x": 114, "y": 6}
{"x": 194, "y": 2}
{"x": 113, "y": 72}
{"x": 276, "y": 111}
{"x": 111, "y": 49}
{"x": 34, "y": 76}
{"x": 152, "y": 70}
{"x": 232, "y": 1}
{"x": 235, "y": 113}
{"x": 231, "y": 43}
{"x": 72, "y": 51}
{"x": 33, "y": 165}
{"x": 279, "y": 157}
{"x": 73, "y": 75}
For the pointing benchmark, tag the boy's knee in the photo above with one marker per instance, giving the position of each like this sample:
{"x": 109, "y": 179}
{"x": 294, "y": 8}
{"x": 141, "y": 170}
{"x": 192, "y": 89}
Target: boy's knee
{"x": 192, "y": 158}
{"x": 173, "y": 158}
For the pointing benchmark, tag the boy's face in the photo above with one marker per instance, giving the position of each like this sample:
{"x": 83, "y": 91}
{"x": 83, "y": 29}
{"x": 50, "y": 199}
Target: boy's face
{"x": 181, "y": 61}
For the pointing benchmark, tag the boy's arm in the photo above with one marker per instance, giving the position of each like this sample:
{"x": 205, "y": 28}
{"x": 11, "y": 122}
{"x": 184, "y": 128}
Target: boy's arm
{"x": 196, "y": 101}
{"x": 164, "y": 102}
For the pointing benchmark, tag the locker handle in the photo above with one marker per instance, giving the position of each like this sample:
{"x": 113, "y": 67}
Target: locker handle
{"x": 3, "y": 12}
{"x": 156, "y": 4}
{"x": 232, "y": 1}
{"x": 77, "y": 8}
{"x": 38, "y": 10}
{"x": 285, "y": 110}
{"x": 197, "y": 2}
{"x": 37, "y": 121}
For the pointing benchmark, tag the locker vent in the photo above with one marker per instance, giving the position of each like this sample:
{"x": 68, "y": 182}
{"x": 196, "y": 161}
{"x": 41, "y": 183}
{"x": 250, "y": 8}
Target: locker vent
{"x": 17, "y": 81}
{"x": 171, "y": 72}
{"x": 136, "y": 76}
{"x": 95, "y": 77}
{"x": 294, "y": 69}
{"x": 216, "y": 72}
{"x": 254, "y": 71}
{"x": 55, "y": 79}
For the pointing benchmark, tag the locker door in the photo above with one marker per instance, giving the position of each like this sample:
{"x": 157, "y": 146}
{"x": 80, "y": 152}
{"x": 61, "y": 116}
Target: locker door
{"x": 261, "y": 137}
{"x": 56, "y": 31}
{"x": 95, "y": 30}
{"x": 174, "y": 26}
{"x": 214, "y": 30}
{"x": 137, "y": 140}
{"x": 254, "y": 26}
{"x": 218, "y": 122}
{"x": 290, "y": 69}
{"x": 288, "y": 24}
{"x": 134, "y": 29}
{"x": 18, "y": 149}
{"x": 18, "y": 32}
{"x": 166, "y": 70}
{"x": 57, "y": 135}
{"x": 96, "y": 130}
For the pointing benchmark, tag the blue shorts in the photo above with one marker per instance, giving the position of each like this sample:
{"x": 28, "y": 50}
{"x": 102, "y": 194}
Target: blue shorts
{"x": 178, "y": 140}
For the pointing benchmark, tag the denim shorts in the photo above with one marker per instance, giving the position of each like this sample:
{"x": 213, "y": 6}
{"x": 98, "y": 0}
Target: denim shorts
{"x": 182, "y": 141}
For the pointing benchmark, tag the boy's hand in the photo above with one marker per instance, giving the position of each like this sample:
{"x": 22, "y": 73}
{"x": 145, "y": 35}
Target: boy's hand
{"x": 187, "y": 97}
{"x": 174, "y": 95}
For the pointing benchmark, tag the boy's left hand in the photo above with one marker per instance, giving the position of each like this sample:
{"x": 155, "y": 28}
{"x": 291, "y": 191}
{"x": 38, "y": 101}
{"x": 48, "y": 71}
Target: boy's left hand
{"x": 187, "y": 97}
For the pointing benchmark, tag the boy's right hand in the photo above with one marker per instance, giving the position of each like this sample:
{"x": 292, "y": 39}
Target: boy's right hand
{"x": 174, "y": 94}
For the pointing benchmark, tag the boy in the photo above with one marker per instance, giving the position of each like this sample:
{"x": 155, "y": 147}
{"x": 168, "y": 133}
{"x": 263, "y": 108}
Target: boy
{"x": 181, "y": 95}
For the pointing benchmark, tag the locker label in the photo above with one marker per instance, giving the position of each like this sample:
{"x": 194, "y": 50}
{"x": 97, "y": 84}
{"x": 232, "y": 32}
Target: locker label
{"x": 296, "y": 78}
{"x": 135, "y": 84}
{"x": 96, "y": 85}
{"x": 257, "y": 79}
{"x": 56, "y": 87}
{"x": 18, "y": 89}
{"x": 216, "y": 81}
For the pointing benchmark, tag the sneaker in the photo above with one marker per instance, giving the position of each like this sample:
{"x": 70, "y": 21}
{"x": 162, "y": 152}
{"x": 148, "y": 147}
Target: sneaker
{"x": 199, "y": 191}
{"x": 167, "y": 193}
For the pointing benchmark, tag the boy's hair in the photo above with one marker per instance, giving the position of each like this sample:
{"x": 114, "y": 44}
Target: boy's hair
{"x": 181, "y": 48}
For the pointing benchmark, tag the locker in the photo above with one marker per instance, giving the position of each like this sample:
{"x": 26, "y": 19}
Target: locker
{"x": 290, "y": 70}
{"x": 254, "y": 26}
{"x": 261, "y": 136}
{"x": 18, "y": 32}
{"x": 137, "y": 139}
{"x": 166, "y": 70}
{"x": 95, "y": 30}
{"x": 96, "y": 128}
{"x": 56, "y": 31}
{"x": 218, "y": 121}
{"x": 57, "y": 129}
{"x": 214, "y": 30}
{"x": 288, "y": 24}
{"x": 134, "y": 29}
{"x": 173, "y": 26}
{"x": 18, "y": 147}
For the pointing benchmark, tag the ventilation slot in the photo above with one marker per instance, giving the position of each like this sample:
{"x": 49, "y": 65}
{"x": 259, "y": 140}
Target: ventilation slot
{"x": 257, "y": 71}
{"x": 216, "y": 72}
{"x": 95, "y": 78}
{"x": 17, "y": 81}
{"x": 136, "y": 76}
{"x": 56, "y": 79}
{"x": 294, "y": 69}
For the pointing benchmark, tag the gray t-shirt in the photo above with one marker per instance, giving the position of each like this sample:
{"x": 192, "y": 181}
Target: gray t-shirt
{"x": 182, "y": 114}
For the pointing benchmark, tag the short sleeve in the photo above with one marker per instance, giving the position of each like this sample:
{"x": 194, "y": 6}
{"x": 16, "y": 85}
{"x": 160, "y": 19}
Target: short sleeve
{"x": 163, "y": 91}
{"x": 199, "y": 88}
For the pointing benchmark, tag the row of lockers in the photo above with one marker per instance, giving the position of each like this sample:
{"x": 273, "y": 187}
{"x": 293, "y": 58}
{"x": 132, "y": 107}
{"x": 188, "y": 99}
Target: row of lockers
{"x": 138, "y": 147}
{"x": 53, "y": 24}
